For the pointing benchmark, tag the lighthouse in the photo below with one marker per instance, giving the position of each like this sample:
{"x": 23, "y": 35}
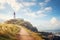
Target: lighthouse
{"x": 14, "y": 15}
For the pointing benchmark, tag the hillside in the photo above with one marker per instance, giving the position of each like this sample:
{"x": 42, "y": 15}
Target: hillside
{"x": 11, "y": 31}
{"x": 8, "y": 31}
{"x": 23, "y": 23}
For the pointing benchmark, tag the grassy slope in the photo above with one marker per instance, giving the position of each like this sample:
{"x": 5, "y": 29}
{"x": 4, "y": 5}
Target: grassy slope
{"x": 8, "y": 32}
{"x": 33, "y": 34}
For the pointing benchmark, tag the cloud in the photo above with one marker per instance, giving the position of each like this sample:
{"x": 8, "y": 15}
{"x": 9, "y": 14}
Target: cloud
{"x": 28, "y": 3}
{"x": 5, "y": 16}
{"x": 2, "y": 7}
{"x": 2, "y": 4}
{"x": 54, "y": 21}
{"x": 53, "y": 24}
{"x": 37, "y": 14}
{"x": 40, "y": 12}
{"x": 34, "y": 15}
{"x": 2, "y": 16}
{"x": 48, "y": 9}
{"x": 47, "y": 1}
{"x": 15, "y": 6}
{"x": 33, "y": 0}
{"x": 42, "y": 15}
{"x": 43, "y": 11}
{"x": 31, "y": 15}
{"x": 27, "y": 12}
{"x": 24, "y": 7}
{"x": 26, "y": 0}
{"x": 3, "y": 1}
{"x": 42, "y": 4}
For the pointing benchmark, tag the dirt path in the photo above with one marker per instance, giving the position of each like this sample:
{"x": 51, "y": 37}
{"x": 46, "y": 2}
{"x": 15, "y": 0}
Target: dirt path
{"x": 24, "y": 35}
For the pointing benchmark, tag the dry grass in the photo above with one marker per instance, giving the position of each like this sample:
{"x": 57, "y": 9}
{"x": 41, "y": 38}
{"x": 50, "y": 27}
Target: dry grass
{"x": 8, "y": 31}
{"x": 33, "y": 34}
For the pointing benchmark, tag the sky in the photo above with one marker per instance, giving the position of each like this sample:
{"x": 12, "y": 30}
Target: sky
{"x": 44, "y": 14}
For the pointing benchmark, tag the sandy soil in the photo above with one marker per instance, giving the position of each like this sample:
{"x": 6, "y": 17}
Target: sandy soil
{"x": 24, "y": 35}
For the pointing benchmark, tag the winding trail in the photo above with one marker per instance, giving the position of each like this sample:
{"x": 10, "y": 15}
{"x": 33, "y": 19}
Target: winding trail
{"x": 24, "y": 35}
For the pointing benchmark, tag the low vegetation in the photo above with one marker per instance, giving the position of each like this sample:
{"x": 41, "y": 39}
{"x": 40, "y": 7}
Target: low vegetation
{"x": 33, "y": 34}
{"x": 8, "y": 32}
{"x": 22, "y": 22}
{"x": 10, "y": 29}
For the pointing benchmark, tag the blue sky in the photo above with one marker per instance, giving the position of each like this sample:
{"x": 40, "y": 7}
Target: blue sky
{"x": 44, "y": 14}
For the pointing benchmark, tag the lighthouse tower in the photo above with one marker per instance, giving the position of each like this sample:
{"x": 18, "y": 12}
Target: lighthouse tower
{"x": 14, "y": 15}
